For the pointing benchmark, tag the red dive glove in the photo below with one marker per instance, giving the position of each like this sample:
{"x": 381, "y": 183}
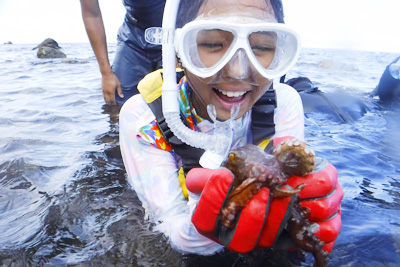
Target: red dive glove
{"x": 214, "y": 186}
{"x": 322, "y": 195}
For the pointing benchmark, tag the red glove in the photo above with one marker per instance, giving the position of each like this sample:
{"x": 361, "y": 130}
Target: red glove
{"x": 322, "y": 196}
{"x": 214, "y": 186}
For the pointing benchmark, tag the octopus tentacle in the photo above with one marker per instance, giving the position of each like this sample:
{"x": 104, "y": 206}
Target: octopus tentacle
{"x": 238, "y": 199}
{"x": 280, "y": 192}
{"x": 299, "y": 228}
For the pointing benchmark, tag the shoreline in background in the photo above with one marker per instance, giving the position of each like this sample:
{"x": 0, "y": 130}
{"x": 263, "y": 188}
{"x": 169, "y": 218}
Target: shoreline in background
{"x": 308, "y": 47}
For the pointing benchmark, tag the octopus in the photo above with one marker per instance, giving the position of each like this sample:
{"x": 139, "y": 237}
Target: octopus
{"x": 253, "y": 169}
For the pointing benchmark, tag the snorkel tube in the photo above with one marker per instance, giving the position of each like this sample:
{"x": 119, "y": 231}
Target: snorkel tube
{"x": 216, "y": 145}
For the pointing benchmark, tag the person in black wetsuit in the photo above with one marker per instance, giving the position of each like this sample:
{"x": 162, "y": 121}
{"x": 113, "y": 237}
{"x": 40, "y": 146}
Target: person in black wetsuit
{"x": 134, "y": 57}
{"x": 341, "y": 109}
{"x": 388, "y": 88}
{"x": 347, "y": 108}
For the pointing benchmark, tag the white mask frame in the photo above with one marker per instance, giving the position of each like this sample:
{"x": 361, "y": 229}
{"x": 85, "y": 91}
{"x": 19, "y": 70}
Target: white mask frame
{"x": 286, "y": 53}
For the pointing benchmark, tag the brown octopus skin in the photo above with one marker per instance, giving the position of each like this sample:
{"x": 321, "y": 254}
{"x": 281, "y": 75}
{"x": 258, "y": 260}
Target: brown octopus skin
{"x": 253, "y": 169}
{"x": 299, "y": 228}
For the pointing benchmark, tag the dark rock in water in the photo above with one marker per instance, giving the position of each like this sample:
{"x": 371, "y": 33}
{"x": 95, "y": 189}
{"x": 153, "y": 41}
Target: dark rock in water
{"x": 49, "y": 48}
{"x": 49, "y": 52}
{"x": 49, "y": 42}
{"x": 8, "y": 43}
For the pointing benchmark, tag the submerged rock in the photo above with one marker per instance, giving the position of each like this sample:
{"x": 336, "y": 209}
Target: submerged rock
{"x": 49, "y": 48}
{"x": 49, "y": 52}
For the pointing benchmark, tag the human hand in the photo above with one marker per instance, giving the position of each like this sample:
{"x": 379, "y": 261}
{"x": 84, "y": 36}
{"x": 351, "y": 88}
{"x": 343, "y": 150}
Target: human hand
{"x": 109, "y": 84}
{"x": 214, "y": 186}
{"x": 322, "y": 196}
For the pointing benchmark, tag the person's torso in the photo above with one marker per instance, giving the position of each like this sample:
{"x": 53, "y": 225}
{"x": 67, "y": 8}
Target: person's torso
{"x": 147, "y": 12}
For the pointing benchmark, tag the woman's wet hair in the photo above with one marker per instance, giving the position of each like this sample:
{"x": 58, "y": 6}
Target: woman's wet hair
{"x": 188, "y": 10}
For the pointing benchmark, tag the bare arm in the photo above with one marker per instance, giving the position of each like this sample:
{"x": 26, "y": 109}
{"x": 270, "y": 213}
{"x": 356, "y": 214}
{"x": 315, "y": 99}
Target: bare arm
{"x": 94, "y": 26}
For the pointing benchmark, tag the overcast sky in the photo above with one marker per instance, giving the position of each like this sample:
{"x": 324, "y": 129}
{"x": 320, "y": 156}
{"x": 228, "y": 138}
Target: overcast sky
{"x": 346, "y": 24}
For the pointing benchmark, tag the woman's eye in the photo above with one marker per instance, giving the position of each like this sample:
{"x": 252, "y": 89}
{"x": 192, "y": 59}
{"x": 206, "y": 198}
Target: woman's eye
{"x": 211, "y": 46}
{"x": 263, "y": 42}
{"x": 262, "y": 49}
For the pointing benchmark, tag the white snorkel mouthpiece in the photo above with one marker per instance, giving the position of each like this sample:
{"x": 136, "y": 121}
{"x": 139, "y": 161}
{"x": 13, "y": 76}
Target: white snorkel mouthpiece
{"x": 217, "y": 144}
{"x": 223, "y": 136}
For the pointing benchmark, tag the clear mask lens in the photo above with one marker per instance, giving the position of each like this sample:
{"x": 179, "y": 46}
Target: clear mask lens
{"x": 210, "y": 47}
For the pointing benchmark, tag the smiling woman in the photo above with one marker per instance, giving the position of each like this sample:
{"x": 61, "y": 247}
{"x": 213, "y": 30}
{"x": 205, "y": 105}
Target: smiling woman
{"x": 223, "y": 99}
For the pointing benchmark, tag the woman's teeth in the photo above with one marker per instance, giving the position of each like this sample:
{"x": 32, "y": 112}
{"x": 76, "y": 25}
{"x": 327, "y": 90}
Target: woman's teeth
{"x": 232, "y": 93}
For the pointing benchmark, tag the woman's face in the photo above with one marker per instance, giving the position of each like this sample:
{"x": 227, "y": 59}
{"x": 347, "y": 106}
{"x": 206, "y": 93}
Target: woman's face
{"x": 238, "y": 82}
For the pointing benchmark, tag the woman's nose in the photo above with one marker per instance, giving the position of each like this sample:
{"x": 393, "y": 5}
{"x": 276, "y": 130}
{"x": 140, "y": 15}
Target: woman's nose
{"x": 238, "y": 67}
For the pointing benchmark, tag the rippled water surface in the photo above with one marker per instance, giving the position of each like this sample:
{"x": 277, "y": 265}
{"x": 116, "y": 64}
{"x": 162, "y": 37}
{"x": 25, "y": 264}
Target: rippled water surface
{"x": 64, "y": 198}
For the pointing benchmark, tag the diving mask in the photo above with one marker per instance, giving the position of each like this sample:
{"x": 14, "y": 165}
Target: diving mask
{"x": 205, "y": 46}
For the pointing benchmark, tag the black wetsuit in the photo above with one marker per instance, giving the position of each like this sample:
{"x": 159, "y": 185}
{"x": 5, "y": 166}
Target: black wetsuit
{"x": 388, "y": 88}
{"x": 341, "y": 108}
{"x": 135, "y": 57}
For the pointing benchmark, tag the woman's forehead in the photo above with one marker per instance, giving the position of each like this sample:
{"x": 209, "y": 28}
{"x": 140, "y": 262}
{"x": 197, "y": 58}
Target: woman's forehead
{"x": 260, "y": 9}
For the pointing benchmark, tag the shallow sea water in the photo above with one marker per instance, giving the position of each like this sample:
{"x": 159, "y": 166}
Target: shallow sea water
{"x": 64, "y": 198}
